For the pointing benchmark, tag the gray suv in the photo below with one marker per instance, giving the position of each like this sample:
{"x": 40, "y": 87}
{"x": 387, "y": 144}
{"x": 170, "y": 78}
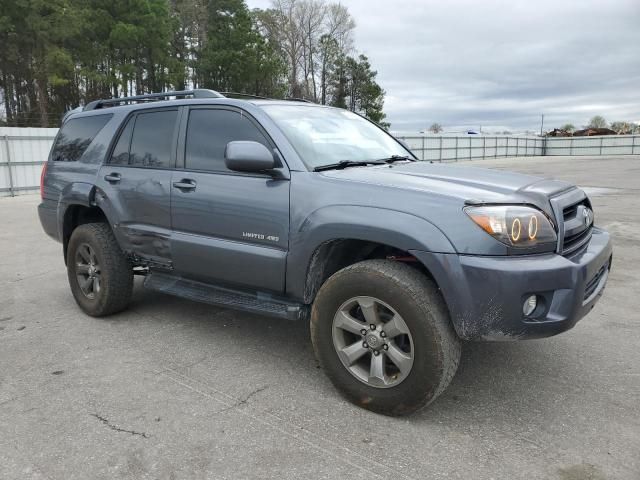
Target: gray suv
{"x": 306, "y": 212}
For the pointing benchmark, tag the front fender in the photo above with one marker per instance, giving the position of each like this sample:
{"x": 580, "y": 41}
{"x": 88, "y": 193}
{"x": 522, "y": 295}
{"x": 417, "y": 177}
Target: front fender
{"x": 390, "y": 227}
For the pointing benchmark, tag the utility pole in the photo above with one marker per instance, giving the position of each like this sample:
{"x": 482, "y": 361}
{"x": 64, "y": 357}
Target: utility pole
{"x": 541, "y": 124}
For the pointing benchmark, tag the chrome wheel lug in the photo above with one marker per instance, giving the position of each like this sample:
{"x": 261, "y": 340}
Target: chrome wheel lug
{"x": 385, "y": 346}
{"x": 376, "y": 353}
{"x": 373, "y": 327}
{"x": 364, "y": 344}
{"x": 363, "y": 331}
{"x": 382, "y": 334}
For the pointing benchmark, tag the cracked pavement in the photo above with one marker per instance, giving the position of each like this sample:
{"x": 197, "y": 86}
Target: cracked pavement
{"x": 172, "y": 389}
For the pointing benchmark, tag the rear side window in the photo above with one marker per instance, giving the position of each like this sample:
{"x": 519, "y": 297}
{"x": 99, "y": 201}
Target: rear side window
{"x": 75, "y": 136}
{"x": 208, "y": 133}
{"x": 152, "y": 139}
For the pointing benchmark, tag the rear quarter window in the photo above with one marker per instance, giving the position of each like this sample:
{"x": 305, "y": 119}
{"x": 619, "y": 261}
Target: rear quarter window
{"x": 75, "y": 136}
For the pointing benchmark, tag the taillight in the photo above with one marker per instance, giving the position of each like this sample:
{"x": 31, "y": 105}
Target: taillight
{"x": 44, "y": 171}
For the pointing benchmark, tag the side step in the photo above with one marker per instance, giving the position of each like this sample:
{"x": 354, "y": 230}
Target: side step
{"x": 254, "y": 302}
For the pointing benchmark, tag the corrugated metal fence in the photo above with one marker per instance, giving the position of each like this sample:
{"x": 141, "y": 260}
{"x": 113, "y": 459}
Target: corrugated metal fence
{"x": 22, "y": 151}
{"x": 442, "y": 148}
{"x": 605, "y": 145}
{"x": 471, "y": 147}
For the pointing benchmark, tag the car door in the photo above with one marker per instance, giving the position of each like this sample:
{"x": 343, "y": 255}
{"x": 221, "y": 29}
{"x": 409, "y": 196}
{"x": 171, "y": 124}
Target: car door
{"x": 229, "y": 228}
{"x": 134, "y": 186}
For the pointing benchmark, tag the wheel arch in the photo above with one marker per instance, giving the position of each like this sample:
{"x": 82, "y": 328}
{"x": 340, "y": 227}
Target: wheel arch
{"x": 77, "y": 214}
{"x": 337, "y": 236}
{"x": 336, "y": 254}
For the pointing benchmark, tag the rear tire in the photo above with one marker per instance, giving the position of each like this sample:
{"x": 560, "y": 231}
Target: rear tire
{"x": 417, "y": 364}
{"x": 100, "y": 275}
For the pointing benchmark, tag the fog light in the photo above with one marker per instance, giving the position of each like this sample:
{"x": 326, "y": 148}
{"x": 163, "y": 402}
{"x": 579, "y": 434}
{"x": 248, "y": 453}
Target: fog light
{"x": 530, "y": 305}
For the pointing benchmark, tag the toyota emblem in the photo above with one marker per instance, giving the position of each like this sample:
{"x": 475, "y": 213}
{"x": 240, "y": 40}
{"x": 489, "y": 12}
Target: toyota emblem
{"x": 587, "y": 214}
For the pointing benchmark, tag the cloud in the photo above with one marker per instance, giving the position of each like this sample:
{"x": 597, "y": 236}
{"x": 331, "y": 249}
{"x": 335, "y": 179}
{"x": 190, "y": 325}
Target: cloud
{"x": 498, "y": 63}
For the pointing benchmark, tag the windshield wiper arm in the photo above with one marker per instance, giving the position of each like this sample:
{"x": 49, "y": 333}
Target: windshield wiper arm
{"x": 397, "y": 158}
{"x": 348, "y": 163}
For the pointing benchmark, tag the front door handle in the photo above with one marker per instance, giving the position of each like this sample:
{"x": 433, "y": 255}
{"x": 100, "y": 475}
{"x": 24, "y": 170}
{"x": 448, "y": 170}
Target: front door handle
{"x": 112, "y": 177}
{"x": 185, "y": 184}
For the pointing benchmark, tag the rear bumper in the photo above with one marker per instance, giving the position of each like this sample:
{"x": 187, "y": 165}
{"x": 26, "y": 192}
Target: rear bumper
{"x": 485, "y": 294}
{"x": 49, "y": 220}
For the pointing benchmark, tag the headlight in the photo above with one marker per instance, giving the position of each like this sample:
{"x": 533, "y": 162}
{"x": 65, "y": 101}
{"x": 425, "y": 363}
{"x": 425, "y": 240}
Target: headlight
{"x": 515, "y": 226}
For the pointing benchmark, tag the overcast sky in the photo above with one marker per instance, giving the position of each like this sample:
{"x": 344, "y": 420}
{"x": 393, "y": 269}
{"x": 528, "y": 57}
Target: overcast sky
{"x": 501, "y": 64}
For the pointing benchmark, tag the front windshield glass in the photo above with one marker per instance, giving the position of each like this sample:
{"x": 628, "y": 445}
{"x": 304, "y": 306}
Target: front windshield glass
{"x": 325, "y": 135}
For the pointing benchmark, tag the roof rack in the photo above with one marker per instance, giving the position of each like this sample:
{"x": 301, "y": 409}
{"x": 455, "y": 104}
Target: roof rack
{"x": 247, "y": 95}
{"x": 110, "y": 102}
{"x": 295, "y": 99}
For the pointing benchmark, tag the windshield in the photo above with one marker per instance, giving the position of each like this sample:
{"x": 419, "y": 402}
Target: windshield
{"x": 325, "y": 136}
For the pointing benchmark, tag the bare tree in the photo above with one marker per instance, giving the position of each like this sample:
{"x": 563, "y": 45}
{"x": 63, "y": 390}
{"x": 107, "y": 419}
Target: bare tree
{"x": 279, "y": 24}
{"x": 310, "y": 16}
{"x": 435, "y": 128}
{"x": 622, "y": 128}
{"x": 311, "y": 35}
{"x": 340, "y": 25}
{"x": 597, "y": 122}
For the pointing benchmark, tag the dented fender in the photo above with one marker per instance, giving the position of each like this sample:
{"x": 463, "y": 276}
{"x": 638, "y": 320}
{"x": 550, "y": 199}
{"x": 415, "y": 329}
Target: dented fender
{"x": 77, "y": 193}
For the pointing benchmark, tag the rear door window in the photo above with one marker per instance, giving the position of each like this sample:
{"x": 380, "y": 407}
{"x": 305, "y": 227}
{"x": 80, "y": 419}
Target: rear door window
{"x": 75, "y": 136}
{"x": 152, "y": 139}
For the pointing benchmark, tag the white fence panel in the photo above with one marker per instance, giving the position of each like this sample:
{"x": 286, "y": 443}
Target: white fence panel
{"x": 22, "y": 152}
{"x": 596, "y": 145}
{"x": 471, "y": 147}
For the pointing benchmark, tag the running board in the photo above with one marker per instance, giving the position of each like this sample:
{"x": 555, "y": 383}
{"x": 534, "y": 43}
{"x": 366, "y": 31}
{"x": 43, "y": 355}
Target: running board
{"x": 254, "y": 302}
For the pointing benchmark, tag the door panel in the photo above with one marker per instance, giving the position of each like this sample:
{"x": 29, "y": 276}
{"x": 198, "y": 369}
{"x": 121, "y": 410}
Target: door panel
{"x": 140, "y": 201}
{"x": 228, "y": 227}
{"x": 231, "y": 229}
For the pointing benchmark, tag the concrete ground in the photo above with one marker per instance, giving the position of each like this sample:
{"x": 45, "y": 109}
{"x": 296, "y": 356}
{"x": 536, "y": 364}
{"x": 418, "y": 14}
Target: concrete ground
{"x": 172, "y": 389}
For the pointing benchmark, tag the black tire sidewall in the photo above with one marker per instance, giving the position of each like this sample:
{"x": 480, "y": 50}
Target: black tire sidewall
{"x": 103, "y": 303}
{"x": 424, "y": 380}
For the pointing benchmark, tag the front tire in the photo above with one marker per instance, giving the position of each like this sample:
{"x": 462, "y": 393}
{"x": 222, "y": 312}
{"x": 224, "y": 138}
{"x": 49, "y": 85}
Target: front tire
{"x": 100, "y": 275}
{"x": 381, "y": 331}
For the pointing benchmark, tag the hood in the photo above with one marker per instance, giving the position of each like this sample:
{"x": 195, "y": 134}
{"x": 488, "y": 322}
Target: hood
{"x": 469, "y": 184}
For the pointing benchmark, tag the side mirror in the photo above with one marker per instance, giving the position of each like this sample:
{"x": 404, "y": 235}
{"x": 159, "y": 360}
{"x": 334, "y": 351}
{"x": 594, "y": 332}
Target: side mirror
{"x": 245, "y": 156}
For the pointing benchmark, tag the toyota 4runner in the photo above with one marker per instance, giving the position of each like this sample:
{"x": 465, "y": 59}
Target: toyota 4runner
{"x": 306, "y": 212}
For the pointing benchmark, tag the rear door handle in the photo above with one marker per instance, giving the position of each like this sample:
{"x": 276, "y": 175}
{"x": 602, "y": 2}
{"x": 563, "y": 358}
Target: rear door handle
{"x": 112, "y": 177}
{"x": 185, "y": 184}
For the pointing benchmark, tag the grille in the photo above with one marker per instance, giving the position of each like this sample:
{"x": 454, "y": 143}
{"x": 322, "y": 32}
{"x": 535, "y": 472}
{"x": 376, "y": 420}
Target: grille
{"x": 576, "y": 233}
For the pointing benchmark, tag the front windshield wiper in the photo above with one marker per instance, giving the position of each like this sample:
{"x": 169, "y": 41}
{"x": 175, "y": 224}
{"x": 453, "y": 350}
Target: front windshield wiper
{"x": 397, "y": 158}
{"x": 348, "y": 163}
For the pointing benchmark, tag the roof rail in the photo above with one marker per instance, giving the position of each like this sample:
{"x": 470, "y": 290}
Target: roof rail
{"x": 295, "y": 99}
{"x": 247, "y": 95}
{"x": 110, "y": 102}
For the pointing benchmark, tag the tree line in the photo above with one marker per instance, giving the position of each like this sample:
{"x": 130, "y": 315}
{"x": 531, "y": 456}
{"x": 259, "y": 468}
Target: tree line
{"x": 621, "y": 127}
{"x": 58, "y": 54}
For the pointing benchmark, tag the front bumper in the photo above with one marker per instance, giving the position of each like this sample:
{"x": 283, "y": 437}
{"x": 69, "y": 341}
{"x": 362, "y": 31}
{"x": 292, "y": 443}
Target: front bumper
{"x": 485, "y": 294}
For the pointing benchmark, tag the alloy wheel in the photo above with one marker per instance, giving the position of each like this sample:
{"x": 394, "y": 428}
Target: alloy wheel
{"x": 88, "y": 271}
{"x": 373, "y": 342}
